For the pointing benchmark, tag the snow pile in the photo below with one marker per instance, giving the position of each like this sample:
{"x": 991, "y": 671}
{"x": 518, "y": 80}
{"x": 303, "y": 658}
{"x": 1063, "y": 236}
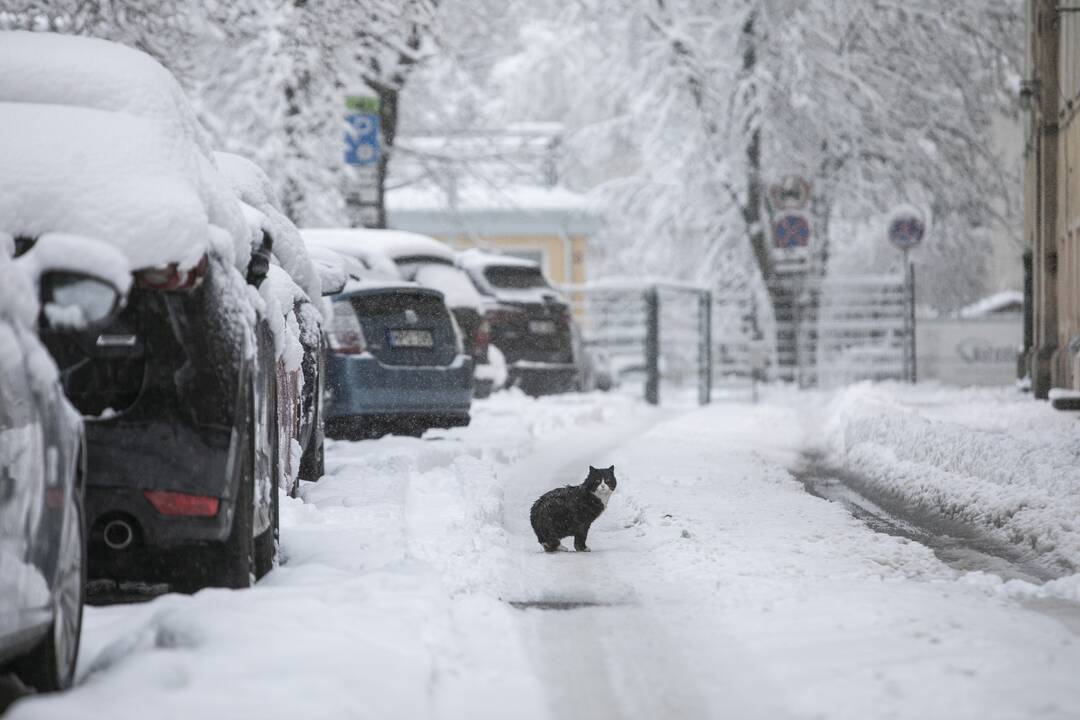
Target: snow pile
{"x": 55, "y": 69}
{"x": 992, "y": 460}
{"x": 116, "y": 178}
{"x": 254, "y": 188}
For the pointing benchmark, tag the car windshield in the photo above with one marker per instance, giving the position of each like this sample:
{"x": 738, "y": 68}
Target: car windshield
{"x": 513, "y": 277}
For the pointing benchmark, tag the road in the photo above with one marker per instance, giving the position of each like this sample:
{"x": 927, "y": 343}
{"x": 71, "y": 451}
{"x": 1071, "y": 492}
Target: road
{"x": 412, "y": 587}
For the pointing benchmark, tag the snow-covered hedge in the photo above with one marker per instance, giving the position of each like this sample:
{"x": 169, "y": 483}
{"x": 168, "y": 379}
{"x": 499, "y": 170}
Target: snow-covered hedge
{"x": 992, "y": 460}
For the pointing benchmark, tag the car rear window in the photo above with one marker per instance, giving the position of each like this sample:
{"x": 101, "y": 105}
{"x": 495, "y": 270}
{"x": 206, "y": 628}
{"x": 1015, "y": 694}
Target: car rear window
{"x": 394, "y": 303}
{"x": 510, "y": 277}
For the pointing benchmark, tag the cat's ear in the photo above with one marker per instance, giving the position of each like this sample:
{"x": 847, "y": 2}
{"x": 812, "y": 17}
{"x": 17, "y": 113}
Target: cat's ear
{"x": 592, "y": 469}
{"x": 611, "y": 469}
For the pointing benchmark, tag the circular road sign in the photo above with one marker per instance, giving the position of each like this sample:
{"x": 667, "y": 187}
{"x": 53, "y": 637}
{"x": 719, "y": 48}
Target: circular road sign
{"x": 906, "y": 231}
{"x": 791, "y": 230}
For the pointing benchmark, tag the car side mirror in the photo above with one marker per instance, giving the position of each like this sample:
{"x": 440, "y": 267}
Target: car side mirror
{"x": 259, "y": 267}
{"x": 74, "y": 301}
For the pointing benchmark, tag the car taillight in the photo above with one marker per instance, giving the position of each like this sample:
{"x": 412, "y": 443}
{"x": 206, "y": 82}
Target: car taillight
{"x": 170, "y": 278}
{"x": 177, "y": 503}
{"x": 481, "y": 337}
{"x": 344, "y": 333}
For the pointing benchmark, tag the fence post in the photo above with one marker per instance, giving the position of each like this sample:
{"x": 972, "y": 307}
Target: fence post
{"x": 652, "y": 346}
{"x": 912, "y": 372}
{"x": 705, "y": 368}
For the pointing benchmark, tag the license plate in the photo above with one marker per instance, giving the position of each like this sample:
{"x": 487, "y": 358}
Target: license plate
{"x": 542, "y": 327}
{"x": 411, "y": 339}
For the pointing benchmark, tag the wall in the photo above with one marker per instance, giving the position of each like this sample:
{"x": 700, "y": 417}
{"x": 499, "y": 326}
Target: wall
{"x": 981, "y": 351}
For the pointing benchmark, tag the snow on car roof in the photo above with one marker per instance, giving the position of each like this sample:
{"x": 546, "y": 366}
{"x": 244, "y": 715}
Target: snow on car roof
{"x": 359, "y": 275}
{"x": 347, "y": 242}
{"x": 117, "y": 178}
{"x": 57, "y": 69}
{"x": 477, "y": 259}
{"x": 254, "y": 188}
{"x": 394, "y": 244}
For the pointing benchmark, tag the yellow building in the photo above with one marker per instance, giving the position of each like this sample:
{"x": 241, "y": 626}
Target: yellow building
{"x": 551, "y": 225}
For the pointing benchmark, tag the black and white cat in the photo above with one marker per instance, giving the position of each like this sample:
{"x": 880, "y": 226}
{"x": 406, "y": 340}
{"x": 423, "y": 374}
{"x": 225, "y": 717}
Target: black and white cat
{"x": 569, "y": 511}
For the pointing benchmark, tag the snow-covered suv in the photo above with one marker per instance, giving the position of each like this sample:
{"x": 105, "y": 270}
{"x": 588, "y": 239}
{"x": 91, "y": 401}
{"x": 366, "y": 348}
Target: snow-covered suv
{"x": 179, "y": 392}
{"x": 529, "y": 321}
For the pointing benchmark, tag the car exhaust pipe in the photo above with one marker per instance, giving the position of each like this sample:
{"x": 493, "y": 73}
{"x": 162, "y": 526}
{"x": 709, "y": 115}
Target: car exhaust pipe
{"x": 119, "y": 534}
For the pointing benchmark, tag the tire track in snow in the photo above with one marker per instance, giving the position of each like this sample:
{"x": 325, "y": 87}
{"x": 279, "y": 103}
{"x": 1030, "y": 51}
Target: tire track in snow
{"x": 608, "y": 657}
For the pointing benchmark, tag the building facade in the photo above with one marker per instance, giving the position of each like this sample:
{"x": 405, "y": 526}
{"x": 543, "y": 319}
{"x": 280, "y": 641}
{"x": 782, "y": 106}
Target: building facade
{"x": 1051, "y": 94}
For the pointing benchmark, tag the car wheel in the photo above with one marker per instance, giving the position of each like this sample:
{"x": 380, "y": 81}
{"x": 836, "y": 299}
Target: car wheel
{"x": 51, "y": 665}
{"x": 231, "y": 563}
{"x": 266, "y": 545}
{"x": 312, "y": 463}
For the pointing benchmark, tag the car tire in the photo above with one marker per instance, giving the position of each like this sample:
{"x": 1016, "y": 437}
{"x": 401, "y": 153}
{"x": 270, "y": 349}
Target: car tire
{"x": 312, "y": 463}
{"x": 51, "y": 665}
{"x": 266, "y": 545}
{"x": 231, "y": 563}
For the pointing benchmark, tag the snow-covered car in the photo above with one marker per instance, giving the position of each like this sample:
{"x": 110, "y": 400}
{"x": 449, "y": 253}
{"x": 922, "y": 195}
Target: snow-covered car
{"x": 179, "y": 391}
{"x": 394, "y": 359}
{"x": 430, "y": 263}
{"x": 529, "y": 321}
{"x": 42, "y": 471}
{"x": 291, "y": 291}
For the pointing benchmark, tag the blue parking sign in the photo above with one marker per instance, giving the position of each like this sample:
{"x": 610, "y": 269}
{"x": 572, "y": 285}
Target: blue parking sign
{"x": 361, "y": 139}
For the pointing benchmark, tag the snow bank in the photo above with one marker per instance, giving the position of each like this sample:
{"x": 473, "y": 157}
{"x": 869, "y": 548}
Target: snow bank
{"x": 116, "y": 178}
{"x": 55, "y": 69}
{"x": 993, "y": 460}
{"x": 254, "y": 188}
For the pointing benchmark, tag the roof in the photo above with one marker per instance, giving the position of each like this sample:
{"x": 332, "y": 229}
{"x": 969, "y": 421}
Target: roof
{"x": 998, "y": 303}
{"x": 118, "y": 178}
{"x": 57, "y": 69}
{"x": 357, "y": 273}
{"x": 480, "y": 208}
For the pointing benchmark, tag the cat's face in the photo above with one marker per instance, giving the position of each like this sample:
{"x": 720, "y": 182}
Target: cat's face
{"x": 601, "y": 482}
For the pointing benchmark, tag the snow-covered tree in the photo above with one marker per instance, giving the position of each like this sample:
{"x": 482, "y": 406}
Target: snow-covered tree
{"x": 681, "y": 112}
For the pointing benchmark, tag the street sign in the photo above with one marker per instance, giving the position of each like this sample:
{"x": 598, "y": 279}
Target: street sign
{"x": 361, "y": 139}
{"x": 906, "y": 227}
{"x": 791, "y": 193}
{"x": 791, "y": 230}
{"x": 906, "y": 230}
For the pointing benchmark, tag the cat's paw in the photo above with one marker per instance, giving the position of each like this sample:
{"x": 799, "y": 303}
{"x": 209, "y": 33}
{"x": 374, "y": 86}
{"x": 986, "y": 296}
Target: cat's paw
{"x": 582, "y": 549}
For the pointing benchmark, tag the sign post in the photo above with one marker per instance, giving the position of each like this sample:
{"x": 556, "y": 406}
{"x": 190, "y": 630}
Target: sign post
{"x": 905, "y": 230}
{"x": 363, "y": 153}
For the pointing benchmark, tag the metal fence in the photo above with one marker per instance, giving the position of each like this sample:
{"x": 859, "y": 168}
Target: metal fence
{"x": 655, "y": 333}
{"x": 837, "y": 330}
{"x": 817, "y": 332}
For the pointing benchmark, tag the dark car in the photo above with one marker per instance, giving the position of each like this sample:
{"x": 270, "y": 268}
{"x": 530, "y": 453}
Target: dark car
{"x": 179, "y": 396}
{"x": 42, "y": 471}
{"x": 394, "y": 360}
{"x": 528, "y": 320}
{"x": 428, "y": 262}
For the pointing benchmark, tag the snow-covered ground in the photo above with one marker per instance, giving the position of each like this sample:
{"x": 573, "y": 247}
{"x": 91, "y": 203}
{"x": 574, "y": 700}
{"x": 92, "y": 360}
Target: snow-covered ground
{"x": 412, "y": 586}
{"x": 990, "y": 459}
